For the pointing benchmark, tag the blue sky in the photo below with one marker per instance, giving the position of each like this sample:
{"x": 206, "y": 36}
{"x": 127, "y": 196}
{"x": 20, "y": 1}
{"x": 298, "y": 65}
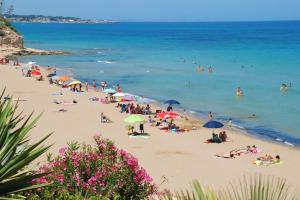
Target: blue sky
{"x": 164, "y": 10}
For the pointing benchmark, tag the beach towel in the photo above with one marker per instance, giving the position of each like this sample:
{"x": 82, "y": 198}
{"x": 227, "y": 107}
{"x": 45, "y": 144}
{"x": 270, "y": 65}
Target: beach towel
{"x": 266, "y": 163}
{"x": 139, "y": 136}
{"x": 67, "y": 103}
{"x": 210, "y": 142}
{"x": 57, "y": 94}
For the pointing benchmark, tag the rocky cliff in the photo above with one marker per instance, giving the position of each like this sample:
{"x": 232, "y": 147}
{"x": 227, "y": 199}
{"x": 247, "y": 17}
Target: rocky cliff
{"x": 9, "y": 37}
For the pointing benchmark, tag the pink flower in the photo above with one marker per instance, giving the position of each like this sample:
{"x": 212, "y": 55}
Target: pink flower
{"x": 62, "y": 151}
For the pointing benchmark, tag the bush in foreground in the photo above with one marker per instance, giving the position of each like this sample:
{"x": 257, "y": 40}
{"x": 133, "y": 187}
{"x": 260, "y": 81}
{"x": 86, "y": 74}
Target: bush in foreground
{"x": 101, "y": 172}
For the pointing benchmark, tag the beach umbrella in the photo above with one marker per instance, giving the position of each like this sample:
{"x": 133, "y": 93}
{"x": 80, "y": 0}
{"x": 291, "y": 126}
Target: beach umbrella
{"x": 171, "y": 102}
{"x": 64, "y": 78}
{"x": 134, "y": 119}
{"x": 128, "y": 98}
{"x": 74, "y": 82}
{"x": 110, "y": 91}
{"x": 168, "y": 115}
{"x": 119, "y": 94}
{"x": 36, "y": 73}
{"x": 51, "y": 75}
{"x": 26, "y": 68}
{"x": 213, "y": 124}
{"x": 31, "y": 63}
{"x": 55, "y": 77}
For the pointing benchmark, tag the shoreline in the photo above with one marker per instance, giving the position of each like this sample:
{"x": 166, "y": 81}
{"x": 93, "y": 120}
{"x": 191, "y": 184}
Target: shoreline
{"x": 275, "y": 137}
{"x": 180, "y": 158}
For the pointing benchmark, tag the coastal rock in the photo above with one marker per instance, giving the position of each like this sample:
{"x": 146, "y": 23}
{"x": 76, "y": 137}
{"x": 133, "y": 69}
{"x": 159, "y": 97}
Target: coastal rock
{"x": 10, "y": 38}
{"x": 29, "y": 51}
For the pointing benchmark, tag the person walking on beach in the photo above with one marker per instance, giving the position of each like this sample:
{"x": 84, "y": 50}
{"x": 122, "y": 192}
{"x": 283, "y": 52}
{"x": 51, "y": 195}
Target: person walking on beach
{"x": 210, "y": 116}
{"x": 142, "y": 128}
{"x": 94, "y": 85}
{"x": 87, "y": 86}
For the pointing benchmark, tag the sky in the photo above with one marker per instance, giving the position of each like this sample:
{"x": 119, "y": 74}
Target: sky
{"x": 163, "y": 10}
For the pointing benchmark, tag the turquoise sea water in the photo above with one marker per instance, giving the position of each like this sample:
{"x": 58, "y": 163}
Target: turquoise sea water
{"x": 148, "y": 59}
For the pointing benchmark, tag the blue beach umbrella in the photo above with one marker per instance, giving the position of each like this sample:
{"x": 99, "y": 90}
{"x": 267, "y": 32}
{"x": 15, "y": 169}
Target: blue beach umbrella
{"x": 55, "y": 77}
{"x": 171, "y": 102}
{"x": 213, "y": 124}
{"x": 50, "y": 75}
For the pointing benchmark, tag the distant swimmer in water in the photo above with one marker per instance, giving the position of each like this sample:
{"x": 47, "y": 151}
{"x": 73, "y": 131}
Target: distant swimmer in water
{"x": 203, "y": 68}
{"x": 239, "y": 92}
{"x": 199, "y": 69}
{"x": 284, "y": 87}
{"x": 253, "y": 116}
{"x": 210, "y": 70}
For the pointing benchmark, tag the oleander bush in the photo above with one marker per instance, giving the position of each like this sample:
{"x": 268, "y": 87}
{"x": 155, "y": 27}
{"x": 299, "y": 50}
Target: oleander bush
{"x": 87, "y": 172}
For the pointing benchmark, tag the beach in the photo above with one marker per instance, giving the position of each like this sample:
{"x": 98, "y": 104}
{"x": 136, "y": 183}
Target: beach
{"x": 173, "y": 160}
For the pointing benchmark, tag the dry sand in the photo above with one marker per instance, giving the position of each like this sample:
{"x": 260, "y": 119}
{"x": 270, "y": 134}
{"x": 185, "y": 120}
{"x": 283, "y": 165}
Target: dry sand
{"x": 173, "y": 160}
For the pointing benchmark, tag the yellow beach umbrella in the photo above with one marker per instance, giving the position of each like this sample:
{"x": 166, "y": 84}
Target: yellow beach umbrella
{"x": 75, "y": 82}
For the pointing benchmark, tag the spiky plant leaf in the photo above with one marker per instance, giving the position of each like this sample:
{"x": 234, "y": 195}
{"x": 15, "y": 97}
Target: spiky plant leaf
{"x": 16, "y": 152}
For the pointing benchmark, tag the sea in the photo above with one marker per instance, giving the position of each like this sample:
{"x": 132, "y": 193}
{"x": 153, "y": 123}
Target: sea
{"x": 161, "y": 61}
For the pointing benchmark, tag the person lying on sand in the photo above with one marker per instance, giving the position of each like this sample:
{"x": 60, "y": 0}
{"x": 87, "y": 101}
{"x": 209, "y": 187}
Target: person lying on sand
{"x": 64, "y": 102}
{"x": 104, "y": 119}
{"x": 267, "y": 160}
{"x": 238, "y": 152}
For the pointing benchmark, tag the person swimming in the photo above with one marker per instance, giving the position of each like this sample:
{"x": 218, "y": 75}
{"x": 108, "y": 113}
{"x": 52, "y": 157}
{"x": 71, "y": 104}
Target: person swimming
{"x": 239, "y": 92}
{"x": 284, "y": 87}
{"x": 253, "y": 116}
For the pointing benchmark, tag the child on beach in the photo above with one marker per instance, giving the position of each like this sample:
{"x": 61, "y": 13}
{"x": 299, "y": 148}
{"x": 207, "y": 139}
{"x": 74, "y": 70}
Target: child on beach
{"x": 142, "y": 128}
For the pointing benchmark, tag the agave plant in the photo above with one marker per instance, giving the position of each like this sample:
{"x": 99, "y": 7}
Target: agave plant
{"x": 257, "y": 187}
{"x": 198, "y": 193}
{"x": 16, "y": 152}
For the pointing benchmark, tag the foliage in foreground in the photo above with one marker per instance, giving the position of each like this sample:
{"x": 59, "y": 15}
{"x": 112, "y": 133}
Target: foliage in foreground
{"x": 15, "y": 151}
{"x": 256, "y": 187}
{"x": 86, "y": 171}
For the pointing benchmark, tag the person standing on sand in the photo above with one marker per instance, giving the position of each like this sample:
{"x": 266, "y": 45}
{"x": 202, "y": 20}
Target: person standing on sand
{"x": 210, "y": 116}
{"x": 87, "y": 86}
{"x": 142, "y": 128}
{"x": 94, "y": 85}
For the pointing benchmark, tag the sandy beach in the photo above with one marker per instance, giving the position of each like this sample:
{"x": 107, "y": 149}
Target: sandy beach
{"x": 173, "y": 160}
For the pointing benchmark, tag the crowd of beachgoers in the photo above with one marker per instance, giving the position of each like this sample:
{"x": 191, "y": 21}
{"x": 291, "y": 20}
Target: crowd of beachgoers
{"x": 135, "y": 106}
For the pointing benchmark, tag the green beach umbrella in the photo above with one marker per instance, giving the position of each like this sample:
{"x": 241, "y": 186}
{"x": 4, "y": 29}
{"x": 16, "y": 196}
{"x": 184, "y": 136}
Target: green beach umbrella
{"x": 26, "y": 68}
{"x": 134, "y": 119}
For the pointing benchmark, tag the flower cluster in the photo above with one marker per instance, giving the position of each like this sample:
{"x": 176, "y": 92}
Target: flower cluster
{"x": 97, "y": 171}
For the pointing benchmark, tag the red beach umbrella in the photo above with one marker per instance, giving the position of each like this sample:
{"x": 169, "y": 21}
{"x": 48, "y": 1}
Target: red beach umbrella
{"x": 168, "y": 115}
{"x": 36, "y": 73}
